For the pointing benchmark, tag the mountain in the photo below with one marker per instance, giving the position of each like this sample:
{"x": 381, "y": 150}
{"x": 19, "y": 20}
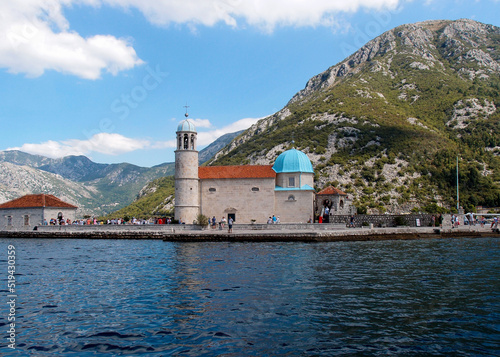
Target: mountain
{"x": 97, "y": 189}
{"x": 19, "y": 180}
{"x": 388, "y": 123}
{"x": 156, "y": 198}
{"x": 385, "y": 125}
{"x": 208, "y": 152}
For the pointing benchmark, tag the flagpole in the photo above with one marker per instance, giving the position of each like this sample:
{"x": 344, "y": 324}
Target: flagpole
{"x": 458, "y": 196}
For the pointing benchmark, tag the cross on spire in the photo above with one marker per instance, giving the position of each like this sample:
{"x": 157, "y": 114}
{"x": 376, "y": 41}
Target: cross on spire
{"x": 186, "y": 106}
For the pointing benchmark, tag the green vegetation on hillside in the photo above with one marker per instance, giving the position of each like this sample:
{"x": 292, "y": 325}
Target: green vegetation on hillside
{"x": 400, "y": 105}
{"x": 159, "y": 193}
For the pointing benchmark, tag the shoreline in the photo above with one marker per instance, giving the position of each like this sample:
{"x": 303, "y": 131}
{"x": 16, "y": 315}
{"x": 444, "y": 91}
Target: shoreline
{"x": 250, "y": 234}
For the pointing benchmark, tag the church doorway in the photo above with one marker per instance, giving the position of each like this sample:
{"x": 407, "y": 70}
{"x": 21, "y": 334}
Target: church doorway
{"x": 231, "y": 215}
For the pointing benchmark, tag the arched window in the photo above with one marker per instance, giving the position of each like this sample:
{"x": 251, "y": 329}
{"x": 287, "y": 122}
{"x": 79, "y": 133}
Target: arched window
{"x": 291, "y": 198}
{"x": 192, "y": 142}
{"x": 186, "y": 142}
{"x": 179, "y": 145}
{"x": 341, "y": 204}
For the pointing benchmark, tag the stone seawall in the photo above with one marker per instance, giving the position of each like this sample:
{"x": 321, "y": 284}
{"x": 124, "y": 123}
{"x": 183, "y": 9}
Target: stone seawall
{"x": 385, "y": 220}
{"x": 250, "y": 233}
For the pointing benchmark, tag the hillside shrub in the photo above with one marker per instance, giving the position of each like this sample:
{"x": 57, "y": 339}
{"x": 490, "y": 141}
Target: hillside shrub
{"x": 202, "y": 220}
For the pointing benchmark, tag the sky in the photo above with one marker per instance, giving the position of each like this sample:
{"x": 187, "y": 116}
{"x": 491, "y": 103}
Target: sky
{"x": 111, "y": 79}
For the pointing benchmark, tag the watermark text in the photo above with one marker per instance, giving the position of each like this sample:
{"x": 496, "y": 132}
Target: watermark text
{"x": 11, "y": 296}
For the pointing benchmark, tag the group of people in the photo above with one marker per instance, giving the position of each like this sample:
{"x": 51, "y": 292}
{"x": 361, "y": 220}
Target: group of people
{"x": 222, "y": 223}
{"x": 470, "y": 220}
{"x": 94, "y": 221}
{"x": 273, "y": 220}
{"x": 437, "y": 221}
{"x": 57, "y": 222}
{"x": 67, "y": 222}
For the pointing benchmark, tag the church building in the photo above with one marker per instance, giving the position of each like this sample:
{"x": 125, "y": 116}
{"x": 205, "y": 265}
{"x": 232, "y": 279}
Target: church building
{"x": 246, "y": 193}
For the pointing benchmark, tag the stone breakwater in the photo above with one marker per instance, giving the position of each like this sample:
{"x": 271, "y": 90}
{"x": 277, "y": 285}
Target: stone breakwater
{"x": 251, "y": 233}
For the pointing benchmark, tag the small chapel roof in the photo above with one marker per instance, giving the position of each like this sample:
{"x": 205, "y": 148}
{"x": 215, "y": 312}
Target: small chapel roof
{"x": 330, "y": 190}
{"x": 233, "y": 172}
{"x": 293, "y": 160}
{"x": 186, "y": 125}
{"x": 36, "y": 201}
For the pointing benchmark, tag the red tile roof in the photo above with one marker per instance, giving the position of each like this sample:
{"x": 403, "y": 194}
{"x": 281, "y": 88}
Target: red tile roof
{"x": 233, "y": 172}
{"x": 330, "y": 190}
{"x": 35, "y": 201}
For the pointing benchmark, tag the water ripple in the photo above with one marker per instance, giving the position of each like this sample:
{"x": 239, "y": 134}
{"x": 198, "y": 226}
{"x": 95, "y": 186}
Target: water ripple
{"x": 153, "y": 298}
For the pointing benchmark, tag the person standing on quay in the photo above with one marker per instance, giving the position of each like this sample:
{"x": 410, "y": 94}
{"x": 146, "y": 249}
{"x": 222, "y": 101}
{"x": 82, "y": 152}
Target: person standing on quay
{"x": 494, "y": 223}
{"x": 230, "y": 225}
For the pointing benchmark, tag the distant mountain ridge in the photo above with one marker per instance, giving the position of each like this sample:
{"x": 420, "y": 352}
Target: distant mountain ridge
{"x": 97, "y": 189}
{"x": 208, "y": 152}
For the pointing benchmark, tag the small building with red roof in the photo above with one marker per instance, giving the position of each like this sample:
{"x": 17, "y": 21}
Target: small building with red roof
{"x": 332, "y": 201}
{"x": 29, "y": 211}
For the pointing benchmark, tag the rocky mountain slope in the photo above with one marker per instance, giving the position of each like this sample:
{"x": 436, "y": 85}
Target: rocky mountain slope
{"x": 208, "y": 152}
{"x": 388, "y": 123}
{"x": 95, "y": 188}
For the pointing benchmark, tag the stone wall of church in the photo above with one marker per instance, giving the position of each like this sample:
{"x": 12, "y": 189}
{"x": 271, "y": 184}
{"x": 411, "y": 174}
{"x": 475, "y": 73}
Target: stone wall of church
{"x": 299, "y": 179}
{"x": 247, "y": 199}
{"x": 294, "y": 206}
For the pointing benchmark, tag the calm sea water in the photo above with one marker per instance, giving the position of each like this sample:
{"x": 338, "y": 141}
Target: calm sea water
{"x": 155, "y": 298}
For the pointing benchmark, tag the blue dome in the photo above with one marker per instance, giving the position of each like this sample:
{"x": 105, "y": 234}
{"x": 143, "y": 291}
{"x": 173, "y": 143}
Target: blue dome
{"x": 293, "y": 161}
{"x": 186, "y": 125}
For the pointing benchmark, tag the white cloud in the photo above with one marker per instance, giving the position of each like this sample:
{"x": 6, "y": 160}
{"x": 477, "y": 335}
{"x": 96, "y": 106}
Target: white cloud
{"x": 208, "y": 137}
{"x": 201, "y": 123}
{"x": 116, "y": 144}
{"x": 104, "y": 143}
{"x": 36, "y": 37}
{"x": 262, "y": 13}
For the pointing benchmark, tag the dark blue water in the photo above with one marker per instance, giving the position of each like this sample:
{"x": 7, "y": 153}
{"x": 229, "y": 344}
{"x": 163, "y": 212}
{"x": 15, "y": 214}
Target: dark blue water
{"x": 154, "y": 298}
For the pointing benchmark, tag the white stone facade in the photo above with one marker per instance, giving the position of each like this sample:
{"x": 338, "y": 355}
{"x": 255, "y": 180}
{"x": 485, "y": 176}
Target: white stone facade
{"x": 294, "y": 206}
{"x": 28, "y": 218}
{"x": 244, "y": 199}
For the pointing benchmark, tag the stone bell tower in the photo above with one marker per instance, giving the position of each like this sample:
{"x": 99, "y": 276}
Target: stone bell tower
{"x": 187, "y": 199}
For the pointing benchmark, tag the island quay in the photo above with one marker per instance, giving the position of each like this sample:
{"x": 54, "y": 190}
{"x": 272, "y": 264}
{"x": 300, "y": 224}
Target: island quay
{"x": 252, "y": 232}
